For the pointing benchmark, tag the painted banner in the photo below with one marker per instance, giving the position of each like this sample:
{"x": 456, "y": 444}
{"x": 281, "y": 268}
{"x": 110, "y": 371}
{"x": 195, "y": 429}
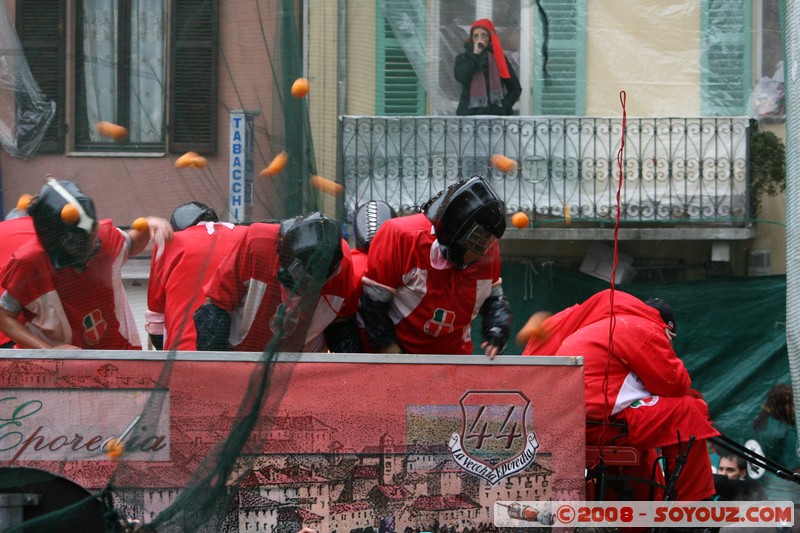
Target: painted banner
{"x": 350, "y": 442}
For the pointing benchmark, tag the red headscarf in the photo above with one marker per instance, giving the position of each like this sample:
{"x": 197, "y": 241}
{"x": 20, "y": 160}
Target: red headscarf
{"x": 497, "y": 48}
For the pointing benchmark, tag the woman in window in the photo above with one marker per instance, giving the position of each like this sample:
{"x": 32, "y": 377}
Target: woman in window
{"x": 489, "y": 85}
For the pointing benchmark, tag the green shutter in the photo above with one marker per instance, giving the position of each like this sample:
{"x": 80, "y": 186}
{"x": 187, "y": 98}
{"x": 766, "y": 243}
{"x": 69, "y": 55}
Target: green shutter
{"x": 41, "y": 32}
{"x": 398, "y": 89}
{"x": 193, "y": 76}
{"x": 726, "y": 70}
{"x": 560, "y": 90}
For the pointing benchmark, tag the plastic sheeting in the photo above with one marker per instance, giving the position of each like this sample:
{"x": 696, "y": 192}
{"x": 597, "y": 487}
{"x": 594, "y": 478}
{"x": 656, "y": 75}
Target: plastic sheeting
{"x": 25, "y": 114}
{"x": 791, "y": 40}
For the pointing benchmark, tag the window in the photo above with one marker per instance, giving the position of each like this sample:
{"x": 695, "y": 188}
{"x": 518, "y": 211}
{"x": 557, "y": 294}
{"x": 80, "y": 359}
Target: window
{"x": 559, "y": 87}
{"x": 120, "y": 70}
{"x": 725, "y": 62}
{"x": 399, "y": 91}
{"x": 767, "y": 99}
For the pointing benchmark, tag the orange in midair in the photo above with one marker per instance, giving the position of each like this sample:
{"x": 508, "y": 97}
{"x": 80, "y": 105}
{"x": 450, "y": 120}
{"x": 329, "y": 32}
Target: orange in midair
{"x": 186, "y": 160}
{"x": 300, "y": 88}
{"x": 111, "y": 131}
{"x": 534, "y": 327}
{"x": 520, "y": 220}
{"x": 70, "y": 214}
{"x": 140, "y": 224}
{"x": 24, "y": 201}
{"x": 503, "y": 163}
{"x": 325, "y": 185}
{"x": 277, "y": 165}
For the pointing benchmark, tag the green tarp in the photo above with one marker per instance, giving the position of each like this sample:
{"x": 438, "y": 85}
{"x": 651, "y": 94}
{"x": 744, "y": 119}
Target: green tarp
{"x": 731, "y": 333}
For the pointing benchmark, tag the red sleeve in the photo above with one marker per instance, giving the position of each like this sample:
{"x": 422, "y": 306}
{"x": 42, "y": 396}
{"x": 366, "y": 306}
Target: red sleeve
{"x": 226, "y": 288}
{"x": 350, "y": 288}
{"x": 653, "y": 359}
{"x": 156, "y": 292}
{"x": 387, "y": 255}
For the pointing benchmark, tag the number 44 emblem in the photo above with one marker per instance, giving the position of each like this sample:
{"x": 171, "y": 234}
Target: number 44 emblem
{"x": 494, "y": 441}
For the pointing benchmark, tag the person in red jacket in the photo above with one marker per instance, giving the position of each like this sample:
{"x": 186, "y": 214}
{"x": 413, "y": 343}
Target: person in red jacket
{"x": 367, "y": 219}
{"x": 292, "y": 281}
{"x": 15, "y": 231}
{"x": 635, "y": 380}
{"x": 180, "y": 269}
{"x": 429, "y": 275}
{"x": 69, "y": 279}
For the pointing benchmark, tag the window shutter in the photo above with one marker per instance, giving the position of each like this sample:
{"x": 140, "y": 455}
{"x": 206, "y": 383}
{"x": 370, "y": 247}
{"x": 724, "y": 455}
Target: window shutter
{"x": 560, "y": 89}
{"x": 399, "y": 91}
{"x": 726, "y": 57}
{"x": 194, "y": 39}
{"x": 40, "y": 29}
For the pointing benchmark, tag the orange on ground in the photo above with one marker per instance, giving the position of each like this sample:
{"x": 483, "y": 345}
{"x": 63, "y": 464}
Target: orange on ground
{"x": 534, "y": 327}
{"x": 24, "y": 201}
{"x": 300, "y": 88}
{"x": 199, "y": 162}
{"x": 325, "y": 185}
{"x": 186, "y": 160}
{"x": 520, "y": 220}
{"x": 111, "y": 130}
{"x": 277, "y": 165}
{"x": 140, "y": 224}
{"x": 503, "y": 163}
{"x": 70, "y": 214}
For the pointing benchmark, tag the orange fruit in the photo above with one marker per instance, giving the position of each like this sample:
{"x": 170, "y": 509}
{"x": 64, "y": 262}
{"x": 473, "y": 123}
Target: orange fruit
{"x": 520, "y": 220}
{"x": 325, "y": 185}
{"x": 503, "y": 163}
{"x": 199, "y": 162}
{"x": 140, "y": 224}
{"x": 111, "y": 130}
{"x": 24, "y": 201}
{"x": 70, "y": 213}
{"x": 534, "y": 327}
{"x": 277, "y": 165}
{"x": 186, "y": 160}
{"x": 300, "y": 87}
{"x": 115, "y": 448}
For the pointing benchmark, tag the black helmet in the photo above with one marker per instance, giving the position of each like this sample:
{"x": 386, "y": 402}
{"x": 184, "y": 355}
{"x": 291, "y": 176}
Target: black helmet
{"x": 367, "y": 219}
{"x": 68, "y": 236}
{"x": 190, "y": 214}
{"x": 309, "y": 251}
{"x": 467, "y": 216}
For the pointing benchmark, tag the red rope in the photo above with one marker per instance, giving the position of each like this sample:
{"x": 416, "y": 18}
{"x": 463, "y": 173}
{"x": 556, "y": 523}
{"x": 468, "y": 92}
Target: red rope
{"x": 612, "y": 317}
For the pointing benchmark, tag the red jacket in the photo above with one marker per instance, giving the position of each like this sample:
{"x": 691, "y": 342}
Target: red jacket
{"x": 642, "y": 362}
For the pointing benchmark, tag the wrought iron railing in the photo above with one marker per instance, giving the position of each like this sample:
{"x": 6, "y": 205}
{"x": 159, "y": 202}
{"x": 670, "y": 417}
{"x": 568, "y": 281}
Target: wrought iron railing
{"x": 675, "y": 169}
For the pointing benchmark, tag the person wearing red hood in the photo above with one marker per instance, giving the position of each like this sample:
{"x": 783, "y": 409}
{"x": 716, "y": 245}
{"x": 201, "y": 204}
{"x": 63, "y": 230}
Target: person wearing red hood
{"x": 634, "y": 377}
{"x": 489, "y": 85}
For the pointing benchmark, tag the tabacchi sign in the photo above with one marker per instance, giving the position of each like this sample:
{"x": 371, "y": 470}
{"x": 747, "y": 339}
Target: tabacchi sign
{"x": 79, "y": 424}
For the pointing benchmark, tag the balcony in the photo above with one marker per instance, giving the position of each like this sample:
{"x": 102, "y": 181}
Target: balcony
{"x": 684, "y": 178}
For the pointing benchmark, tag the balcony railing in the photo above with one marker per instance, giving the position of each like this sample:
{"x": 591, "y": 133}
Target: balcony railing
{"x": 676, "y": 170}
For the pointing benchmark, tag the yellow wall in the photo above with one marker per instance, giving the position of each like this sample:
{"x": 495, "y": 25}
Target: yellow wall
{"x": 648, "y": 49}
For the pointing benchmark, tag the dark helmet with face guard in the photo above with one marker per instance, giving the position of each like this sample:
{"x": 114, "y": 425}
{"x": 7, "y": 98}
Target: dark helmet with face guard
{"x": 191, "y": 214}
{"x": 65, "y": 221}
{"x": 309, "y": 251}
{"x": 468, "y": 217}
{"x": 366, "y": 221}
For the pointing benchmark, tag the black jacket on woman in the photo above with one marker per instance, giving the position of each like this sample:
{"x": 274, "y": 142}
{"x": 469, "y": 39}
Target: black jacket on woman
{"x": 468, "y": 64}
